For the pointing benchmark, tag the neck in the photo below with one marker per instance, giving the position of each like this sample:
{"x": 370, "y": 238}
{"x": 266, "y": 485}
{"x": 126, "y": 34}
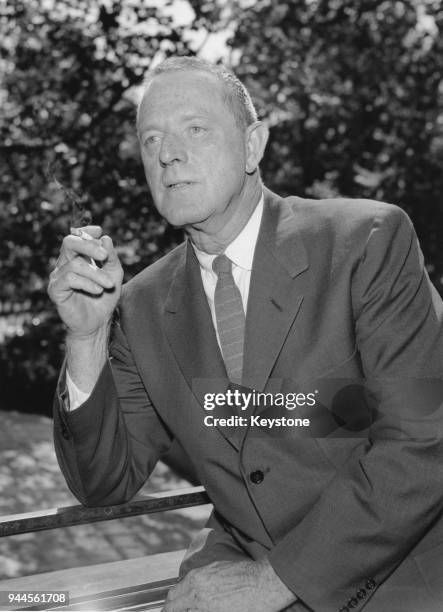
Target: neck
{"x": 214, "y": 237}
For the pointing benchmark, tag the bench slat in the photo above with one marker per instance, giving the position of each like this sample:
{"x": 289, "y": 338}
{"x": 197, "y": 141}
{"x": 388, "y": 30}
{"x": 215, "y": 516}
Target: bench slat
{"x": 116, "y": 585}
{"x": 149, "y": 596}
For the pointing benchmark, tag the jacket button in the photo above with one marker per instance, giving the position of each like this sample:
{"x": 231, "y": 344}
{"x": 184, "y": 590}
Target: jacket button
{"x": 370, "y": 584}
{"x": 257, "y": 477}
{"x": 65, "y": 432}
{"x": 352, "y": 603}
{"x": 361, "y": 594}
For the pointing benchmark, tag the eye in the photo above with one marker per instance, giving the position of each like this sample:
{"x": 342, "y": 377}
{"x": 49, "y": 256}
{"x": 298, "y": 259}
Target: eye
{"x": 197, "y": 130}
{"x": 152, "y": 140}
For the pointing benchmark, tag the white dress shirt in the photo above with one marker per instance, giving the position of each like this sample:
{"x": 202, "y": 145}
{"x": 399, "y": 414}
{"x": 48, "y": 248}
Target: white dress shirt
{"x": 240, "y": 251}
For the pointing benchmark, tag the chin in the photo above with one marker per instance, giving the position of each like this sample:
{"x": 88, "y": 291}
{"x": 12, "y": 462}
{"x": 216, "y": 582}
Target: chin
{"x": 180, "y": 216}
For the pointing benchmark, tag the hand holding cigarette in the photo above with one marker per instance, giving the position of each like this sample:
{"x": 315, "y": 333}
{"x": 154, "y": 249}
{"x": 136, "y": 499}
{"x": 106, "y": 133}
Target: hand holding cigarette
{"x": 78, "y": 231}
{"x": 85, "y": 293}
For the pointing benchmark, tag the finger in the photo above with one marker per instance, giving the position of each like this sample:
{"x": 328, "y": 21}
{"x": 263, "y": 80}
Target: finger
{"x": 108, "y": 245}
{"x": 177, "y": 606}
{"x": 74, "y": 245}
{"x": 82, "y": 267}
{"x": 181, "y": 598}
{"x": 175, "y": 600}
{"x": 93, "y": 230}
{"x": 76, "y": 282}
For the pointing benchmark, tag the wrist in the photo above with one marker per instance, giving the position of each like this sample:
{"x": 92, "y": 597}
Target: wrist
{"x": 86, "y": 356}
{"x": 92, "y": 339}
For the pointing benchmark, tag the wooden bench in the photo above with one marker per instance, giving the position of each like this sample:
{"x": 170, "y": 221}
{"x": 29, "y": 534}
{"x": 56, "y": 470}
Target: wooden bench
{"x": 119, "y": 585}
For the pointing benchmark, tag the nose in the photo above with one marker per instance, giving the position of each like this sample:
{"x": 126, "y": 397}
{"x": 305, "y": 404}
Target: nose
{"x": 172, "y": 150}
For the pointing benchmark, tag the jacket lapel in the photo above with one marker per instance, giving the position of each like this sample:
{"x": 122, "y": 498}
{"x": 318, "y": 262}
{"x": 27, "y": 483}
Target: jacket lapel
{"x": 190, "y": 333}
{"x": 275, "y": 297}
{"x": 276, "y": 290}
{"x": 188, "y": 323}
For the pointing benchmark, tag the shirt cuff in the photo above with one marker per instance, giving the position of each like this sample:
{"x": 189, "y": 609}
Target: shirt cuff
{"x": 77, "y": 397}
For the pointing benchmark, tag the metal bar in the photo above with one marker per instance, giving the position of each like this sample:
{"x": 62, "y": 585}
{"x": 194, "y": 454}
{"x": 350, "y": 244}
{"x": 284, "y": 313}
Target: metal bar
{"x": 79, "y": 515}
{"x": 149, "y": 596}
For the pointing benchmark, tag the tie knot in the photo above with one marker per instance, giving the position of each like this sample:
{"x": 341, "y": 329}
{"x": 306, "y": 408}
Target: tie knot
{"x": 222, "y": 265}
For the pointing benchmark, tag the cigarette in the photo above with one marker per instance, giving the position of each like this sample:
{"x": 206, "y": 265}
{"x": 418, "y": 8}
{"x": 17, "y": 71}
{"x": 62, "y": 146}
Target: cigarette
{"x": 76, "y": 231}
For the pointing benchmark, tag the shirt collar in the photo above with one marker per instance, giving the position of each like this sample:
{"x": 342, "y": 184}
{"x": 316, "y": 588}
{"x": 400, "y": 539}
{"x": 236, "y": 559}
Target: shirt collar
{"x": 241, "y": 250}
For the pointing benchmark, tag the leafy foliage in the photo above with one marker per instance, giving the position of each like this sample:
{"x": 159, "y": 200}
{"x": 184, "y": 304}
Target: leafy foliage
{"x": 352, "y": 91}
{"x": 69, "y": 150}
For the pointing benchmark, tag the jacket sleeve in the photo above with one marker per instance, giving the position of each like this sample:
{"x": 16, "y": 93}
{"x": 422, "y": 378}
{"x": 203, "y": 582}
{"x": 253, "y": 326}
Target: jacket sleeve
{"x": 108, "y": 446}
{"x": 211, "y": 544}
{"x": 214, "y": 544}
{"x": 379, "y": 505}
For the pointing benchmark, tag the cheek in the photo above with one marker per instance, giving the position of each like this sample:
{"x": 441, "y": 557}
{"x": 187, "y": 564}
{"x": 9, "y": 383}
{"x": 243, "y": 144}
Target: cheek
{"x": 152, "y": 175}
{"x": 230, "y": 172}
{"x": 224, "y": 162}
{"x": 234, "y": 158}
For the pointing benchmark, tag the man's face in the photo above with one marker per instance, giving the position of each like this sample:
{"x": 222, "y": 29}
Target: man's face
{"x": 193, "y": 151}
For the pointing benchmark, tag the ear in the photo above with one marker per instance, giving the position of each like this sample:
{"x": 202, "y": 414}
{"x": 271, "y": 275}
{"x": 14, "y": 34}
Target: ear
{"x": 256, "y": 137}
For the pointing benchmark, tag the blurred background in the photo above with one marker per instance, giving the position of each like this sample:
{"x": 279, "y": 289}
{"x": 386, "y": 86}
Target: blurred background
{"x": 352, "y": 92}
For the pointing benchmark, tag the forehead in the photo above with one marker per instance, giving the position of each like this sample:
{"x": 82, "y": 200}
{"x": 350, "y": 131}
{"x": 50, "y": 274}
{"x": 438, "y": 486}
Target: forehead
{"x": 183, "y": 92}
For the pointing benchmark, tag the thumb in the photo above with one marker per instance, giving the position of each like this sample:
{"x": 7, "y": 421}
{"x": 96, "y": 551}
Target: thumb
{"x": 107, "y": 243}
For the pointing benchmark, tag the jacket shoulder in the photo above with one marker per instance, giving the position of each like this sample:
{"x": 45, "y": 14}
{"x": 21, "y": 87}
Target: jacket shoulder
{"x": 348, "y": 218}
{"x": 347, "y": 211}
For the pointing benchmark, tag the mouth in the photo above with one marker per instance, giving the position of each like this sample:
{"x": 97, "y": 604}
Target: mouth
{"x": 179, "y": 184}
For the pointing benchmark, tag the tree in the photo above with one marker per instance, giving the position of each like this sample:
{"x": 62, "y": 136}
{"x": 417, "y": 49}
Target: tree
{"x": 68, "y": 150}
{"x": 353, "y": 92}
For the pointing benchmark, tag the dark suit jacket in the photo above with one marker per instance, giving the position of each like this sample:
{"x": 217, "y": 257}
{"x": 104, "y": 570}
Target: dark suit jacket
{"x": 349, "y": 517}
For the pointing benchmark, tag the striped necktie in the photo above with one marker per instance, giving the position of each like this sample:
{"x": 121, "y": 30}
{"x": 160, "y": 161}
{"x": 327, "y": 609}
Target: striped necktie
{"x": 230, "y": 318}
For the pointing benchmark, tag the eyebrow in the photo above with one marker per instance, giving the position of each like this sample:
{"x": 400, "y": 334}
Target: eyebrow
{"x": 185, "y": 117}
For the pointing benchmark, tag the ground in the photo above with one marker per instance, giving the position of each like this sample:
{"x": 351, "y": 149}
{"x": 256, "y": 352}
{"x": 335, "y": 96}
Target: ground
{"x": 30, "y": 479}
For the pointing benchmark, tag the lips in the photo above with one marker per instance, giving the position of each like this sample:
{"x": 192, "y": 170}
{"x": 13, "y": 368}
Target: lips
{"x": 178, "y": 184}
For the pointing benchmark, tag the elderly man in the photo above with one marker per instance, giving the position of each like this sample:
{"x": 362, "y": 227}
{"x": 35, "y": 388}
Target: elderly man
{"x": 265, "y": 293}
